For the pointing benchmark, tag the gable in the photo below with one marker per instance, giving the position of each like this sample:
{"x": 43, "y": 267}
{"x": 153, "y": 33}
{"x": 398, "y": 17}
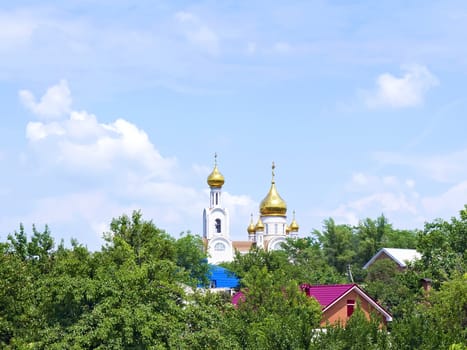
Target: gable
{"x": 331, "y": 297}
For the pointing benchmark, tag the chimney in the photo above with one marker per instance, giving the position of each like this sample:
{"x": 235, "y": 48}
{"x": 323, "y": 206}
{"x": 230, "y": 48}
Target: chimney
{"x": 426, "y": 284}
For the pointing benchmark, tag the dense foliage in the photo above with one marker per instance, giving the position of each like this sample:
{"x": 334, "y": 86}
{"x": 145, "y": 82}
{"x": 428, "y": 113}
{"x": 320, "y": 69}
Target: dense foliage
{"x": 139, "y": 291}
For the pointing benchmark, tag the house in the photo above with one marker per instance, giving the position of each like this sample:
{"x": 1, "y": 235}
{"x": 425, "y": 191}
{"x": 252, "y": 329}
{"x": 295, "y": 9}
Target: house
{"x": 339, "y": 301}
{"x": 400, "y": 256}
{"x": 221, "y": 279}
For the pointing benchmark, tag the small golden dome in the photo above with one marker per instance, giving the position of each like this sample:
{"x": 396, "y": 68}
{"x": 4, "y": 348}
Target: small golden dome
{"x": 273, "y": 204}
{"x": 293, "y": 225}
{"x": 259, "y": 226}
{"x": 251, "y": 227}
{"x": 287, "y": 229}
{"x": 215, "y": 179}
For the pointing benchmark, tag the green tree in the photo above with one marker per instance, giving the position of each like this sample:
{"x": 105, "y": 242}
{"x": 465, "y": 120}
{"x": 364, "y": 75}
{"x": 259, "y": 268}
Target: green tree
{"x": 394, "y": 289}
{"x": 275, "y": 314}
{"x": 191, "y": 256}
{"x": 443, "y": 246}
{"x": 337, "y": 244}
{"x": 371, "y": 235}
{"x": 306, "y": 262}
{"x": 449, "y": 310}
{"x": 143, "y": 237}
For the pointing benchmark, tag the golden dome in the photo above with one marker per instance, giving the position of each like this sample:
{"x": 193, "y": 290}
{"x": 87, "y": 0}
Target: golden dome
{"x": 215, "y": 179}
{"x": 259, "y": 226}
{"x": 273, "y": 204}
{"x": 251, "y": 227}
{"x": 293, "y": 225}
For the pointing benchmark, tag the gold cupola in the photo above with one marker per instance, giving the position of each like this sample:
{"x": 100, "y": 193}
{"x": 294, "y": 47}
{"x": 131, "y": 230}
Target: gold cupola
{"x": 251, "y": 227}
{"x": 215, "y": 179}
{"x": 273, "y": 204}
{"x": 293, "y": 225}
{"x": 259, "y": 226}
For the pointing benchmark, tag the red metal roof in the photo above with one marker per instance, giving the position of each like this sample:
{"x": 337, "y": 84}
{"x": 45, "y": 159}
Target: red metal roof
{"x": 326, "y": 294}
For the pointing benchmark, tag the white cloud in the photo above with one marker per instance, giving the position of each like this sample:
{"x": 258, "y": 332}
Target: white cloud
{"x": 441, "y": 167}
{"x": 404, "y": 209}
{"x": 366, "y": 182}
{"x": 372, "y": 195}
{"x": 387, "y": 202}
{"x": 201, "y": 170}
{"x": 410, "y": 183}
{"x": 198, "y": 33}
{"x": 36, "y": 131}
{"x": 342, "y": 215}
{"x": 360, "y": 179}
{"x": 102, "y": 146}
{"x": 398, "y": 92}
{"x": 448, "y": 203}
{"x": 81, "y": 143}
{"x": 54, "y": 104}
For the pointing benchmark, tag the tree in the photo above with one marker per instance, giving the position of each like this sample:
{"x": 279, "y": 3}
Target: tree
{"x": 336, "y": 242}
{"x": 371, "y": 235}
{"x": 449, "y": 310}
{"x": 443, "y": 246}
{"x": 143, "y": 237}
{"x": 275, "y": 313}
{"x": 191, "y": 256}
{"x": 394, "y": 289}
{"x": 306, "y": 262}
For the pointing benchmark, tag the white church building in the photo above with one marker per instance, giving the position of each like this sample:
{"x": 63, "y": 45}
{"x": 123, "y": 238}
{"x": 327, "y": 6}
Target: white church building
{"x": 269, "y": 232}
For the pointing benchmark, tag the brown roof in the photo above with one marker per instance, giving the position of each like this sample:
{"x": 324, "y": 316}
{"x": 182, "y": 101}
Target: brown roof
{"x": 242, "y": 246}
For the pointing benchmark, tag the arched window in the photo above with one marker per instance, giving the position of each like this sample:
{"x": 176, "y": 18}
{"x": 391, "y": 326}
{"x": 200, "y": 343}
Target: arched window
{"x": 218, "y": 225}
{"x": 277, "y": 246}
{"x": 219, "y": 247}
{"x": 217, "y": 198}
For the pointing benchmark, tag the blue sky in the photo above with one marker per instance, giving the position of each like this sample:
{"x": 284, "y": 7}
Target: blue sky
{"x": 112, "y": 106}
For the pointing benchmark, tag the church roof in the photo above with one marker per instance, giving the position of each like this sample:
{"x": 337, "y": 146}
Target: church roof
{"x": 398, "y": 255}
{"x": 273, "y": 204}
{"x": 215, "y": 179}
{"x": 242, "y": 246}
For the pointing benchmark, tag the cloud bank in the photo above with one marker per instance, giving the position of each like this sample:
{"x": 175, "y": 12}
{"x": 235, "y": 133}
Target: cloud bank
{"x": 116, "y": 169}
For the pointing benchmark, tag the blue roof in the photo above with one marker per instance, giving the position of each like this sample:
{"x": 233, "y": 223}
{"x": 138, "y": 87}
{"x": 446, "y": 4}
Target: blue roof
{"x": 221, "y": 277}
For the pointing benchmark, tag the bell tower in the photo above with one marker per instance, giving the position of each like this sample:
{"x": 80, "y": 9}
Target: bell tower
{"x": 216, "y": 225}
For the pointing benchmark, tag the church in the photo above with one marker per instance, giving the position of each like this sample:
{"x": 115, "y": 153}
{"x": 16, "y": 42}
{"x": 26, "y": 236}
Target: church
{"x": 269, "y": 232}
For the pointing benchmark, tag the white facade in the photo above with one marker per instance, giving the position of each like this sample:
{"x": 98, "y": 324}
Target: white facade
{"x": 274, "y": 232}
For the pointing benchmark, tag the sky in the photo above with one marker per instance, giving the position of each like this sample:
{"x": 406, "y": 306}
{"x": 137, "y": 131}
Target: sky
{"x": 112, "y": 106}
